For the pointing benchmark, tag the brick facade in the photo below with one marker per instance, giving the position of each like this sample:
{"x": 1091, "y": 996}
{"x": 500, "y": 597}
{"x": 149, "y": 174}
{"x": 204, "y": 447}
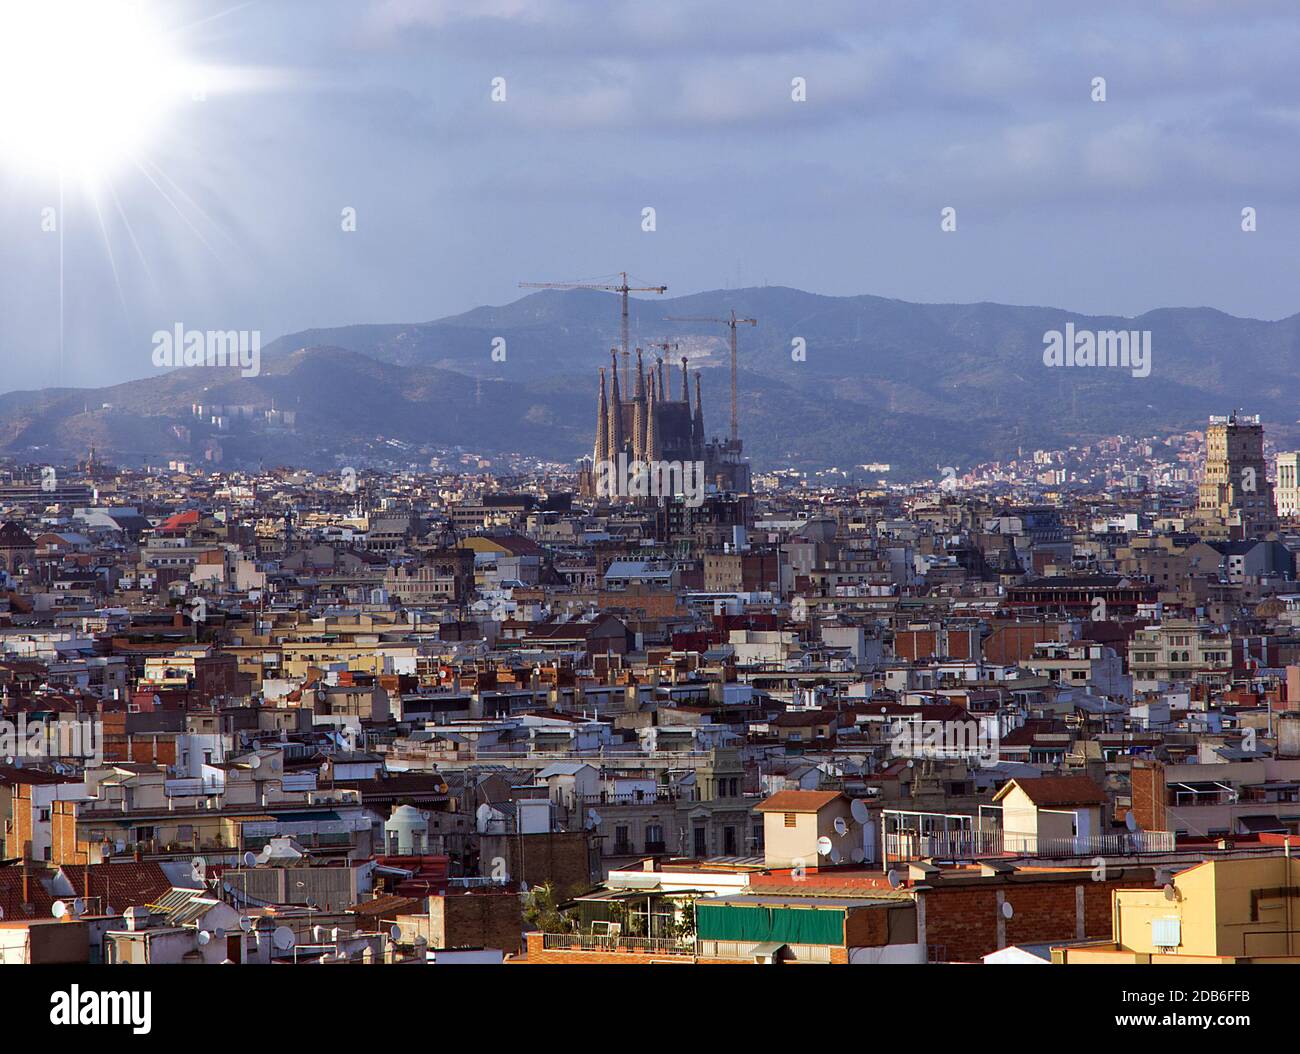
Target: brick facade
{"x": 964, "y": 924}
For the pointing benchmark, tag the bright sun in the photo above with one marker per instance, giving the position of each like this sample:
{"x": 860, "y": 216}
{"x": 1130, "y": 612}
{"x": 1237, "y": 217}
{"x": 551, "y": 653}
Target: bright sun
{"x": 84, "y": 84}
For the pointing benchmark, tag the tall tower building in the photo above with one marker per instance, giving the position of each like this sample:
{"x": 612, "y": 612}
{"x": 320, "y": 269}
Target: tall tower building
{"x": 1287, "y": 488}
{"x": 1235, "y": 499}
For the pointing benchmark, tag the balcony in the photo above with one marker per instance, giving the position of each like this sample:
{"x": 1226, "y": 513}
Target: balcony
{"x": 662, "y": 794}
{"x": 974, "y": 844}
{"x": 585, "y": 942}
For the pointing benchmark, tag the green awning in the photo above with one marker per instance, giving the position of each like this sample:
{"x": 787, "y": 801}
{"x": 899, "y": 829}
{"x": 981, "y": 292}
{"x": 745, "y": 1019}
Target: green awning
{"x": 762, "y": 924}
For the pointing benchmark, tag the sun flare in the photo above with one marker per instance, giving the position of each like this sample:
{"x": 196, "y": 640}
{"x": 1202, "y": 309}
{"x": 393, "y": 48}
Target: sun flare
{"x": 84, "y": 84}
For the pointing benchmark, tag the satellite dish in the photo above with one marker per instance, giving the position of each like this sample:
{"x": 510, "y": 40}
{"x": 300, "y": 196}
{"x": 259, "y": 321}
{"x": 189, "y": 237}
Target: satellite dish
{"x": 1131, "y": 821}
{"x": 199, "y": 868}
{"x": 250, "y": 860}
{"x": 836, "y": 856}
{"x": 1171, "y": 892}
{"x": 841, "y": 828}
{"x": 1007, "y": 909}
{"x": 823, "y": 846}
{"x": 78, "y": 907}
{"x": 59, "y": 909}
{"x": 857, "y": 855}
{"x": 245, "y": 923}
{"x": 593, "y": 819}
{"x": 318, "y": 933}
{"x": 219, "y": 933}
{"x": 895, "y": 879}
{"x": 395, "y": 932}
{"x": 254, "y": 761}
{"x": 204, "y": 937}
{"x": 426, "y": 815}
{"x": 860, "y": 811}
{"x": 282, "y": 938}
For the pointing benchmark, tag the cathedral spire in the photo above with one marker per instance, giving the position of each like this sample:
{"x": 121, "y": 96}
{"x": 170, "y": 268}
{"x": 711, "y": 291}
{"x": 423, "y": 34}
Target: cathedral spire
{"x": 602, "y": 425}
{"x": 638, "y": 412}
{"x": 651, "y": 436}
{"x": 615, "y": 430}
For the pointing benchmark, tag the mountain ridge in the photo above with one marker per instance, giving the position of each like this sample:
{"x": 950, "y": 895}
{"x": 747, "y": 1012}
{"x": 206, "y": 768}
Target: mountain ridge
{"x": 884, "y": 380}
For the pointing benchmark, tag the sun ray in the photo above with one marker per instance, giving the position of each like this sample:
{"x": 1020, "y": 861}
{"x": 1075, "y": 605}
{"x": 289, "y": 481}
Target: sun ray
{"x": 141, "y": 165}
{"x": 112, "y": 257}
{"x": 130, "y": 233}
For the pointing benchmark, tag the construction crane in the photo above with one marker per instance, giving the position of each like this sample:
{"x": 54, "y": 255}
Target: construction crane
{"x": 622, "y": 288}
{"x": 732, "y": 322}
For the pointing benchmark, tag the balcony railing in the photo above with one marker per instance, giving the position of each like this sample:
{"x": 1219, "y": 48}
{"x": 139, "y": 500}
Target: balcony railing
{"x": 662, "y": 794}
{"x": 972, "y": 844}
{"x": 590, "y": 942}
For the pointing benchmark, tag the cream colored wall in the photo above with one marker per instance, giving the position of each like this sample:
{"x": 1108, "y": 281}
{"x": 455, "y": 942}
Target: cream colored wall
{"x": 1214, "y": 909}
{"x": 786, "y": 846}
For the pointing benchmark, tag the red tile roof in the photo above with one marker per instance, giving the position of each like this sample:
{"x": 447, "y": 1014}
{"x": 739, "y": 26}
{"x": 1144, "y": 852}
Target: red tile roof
{"x": 38, "y": 901}
{"x": 1046, "y": 791}
{"x": 121, "y": 884}
{"x": 798, "y": 801}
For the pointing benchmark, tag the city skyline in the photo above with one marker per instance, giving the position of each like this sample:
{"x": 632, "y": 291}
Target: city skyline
{"x": 568, "y": 483}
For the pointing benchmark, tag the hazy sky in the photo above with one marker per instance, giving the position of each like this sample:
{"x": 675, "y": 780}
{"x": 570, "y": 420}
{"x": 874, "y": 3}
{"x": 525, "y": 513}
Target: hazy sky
{"x": 232, "y": 219}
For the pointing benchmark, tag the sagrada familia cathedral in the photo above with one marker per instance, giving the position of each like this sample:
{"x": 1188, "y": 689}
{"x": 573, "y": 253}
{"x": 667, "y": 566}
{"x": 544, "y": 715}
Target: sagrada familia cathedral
{"x": 654, "y": 426}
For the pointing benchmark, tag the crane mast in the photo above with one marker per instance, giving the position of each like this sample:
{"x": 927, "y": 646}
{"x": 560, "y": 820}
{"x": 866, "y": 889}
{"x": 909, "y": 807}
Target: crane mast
{"x": 732, "y": 323}
{"x": 622, "y": 288}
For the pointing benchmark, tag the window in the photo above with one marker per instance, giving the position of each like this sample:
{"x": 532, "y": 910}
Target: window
{"x": 791, "y": 820}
